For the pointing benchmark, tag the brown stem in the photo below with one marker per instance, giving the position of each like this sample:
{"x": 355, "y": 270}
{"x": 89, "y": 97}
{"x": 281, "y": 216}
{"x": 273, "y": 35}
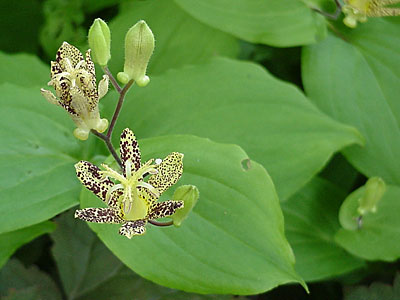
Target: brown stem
{"x": 112, "y": 79}
{"x": 333, "y": 16}
{"x": 156, "y": 223}
{"x": 118, "y": 108}
{"x": 110, "y": 147}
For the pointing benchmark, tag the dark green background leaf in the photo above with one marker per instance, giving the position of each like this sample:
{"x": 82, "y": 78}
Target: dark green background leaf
{"x": 11, "y": 241}
{"x": 311, "y": 221}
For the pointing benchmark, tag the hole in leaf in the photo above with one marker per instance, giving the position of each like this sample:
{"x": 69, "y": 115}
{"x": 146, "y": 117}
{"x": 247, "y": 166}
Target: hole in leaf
{"x": 246, "y": 164}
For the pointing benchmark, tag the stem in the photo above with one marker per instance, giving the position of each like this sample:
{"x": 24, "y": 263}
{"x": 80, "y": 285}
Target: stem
{"x": 112, "y": 79}
{"x": 333, "y": 16}
{"x": 110, "y": 147}
{"x": 118, "y": 108}
{"x": 156, "y": 223}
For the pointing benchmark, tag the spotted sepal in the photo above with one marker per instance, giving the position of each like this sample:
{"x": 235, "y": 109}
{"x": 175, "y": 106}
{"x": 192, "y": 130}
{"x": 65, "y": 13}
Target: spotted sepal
{"x": 129, "y": 149}
{"x": 164, "y": 209}
{"x": 131, "y": 228}
{"x": 169, "y": 172}
{"x": 91, "y": 178}
{"x": 99, "y": 215}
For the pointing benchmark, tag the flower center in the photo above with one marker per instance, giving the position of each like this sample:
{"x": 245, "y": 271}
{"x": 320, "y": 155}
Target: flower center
{"x": 133, "y": 207}
{"x": 73, "y": 75}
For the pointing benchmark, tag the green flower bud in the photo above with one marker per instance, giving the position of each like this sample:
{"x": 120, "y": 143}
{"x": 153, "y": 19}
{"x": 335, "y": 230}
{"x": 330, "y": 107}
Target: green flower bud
{"x": 374, "y": 190}
{"x": 189, "y": 194}
{"x": 139, "y": 46}
{"x": 100, "y": 42}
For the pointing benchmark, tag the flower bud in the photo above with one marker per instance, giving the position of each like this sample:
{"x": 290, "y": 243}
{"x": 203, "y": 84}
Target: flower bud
{"x": 100, "y": 41}
{"x": 189, "y": 194}
{"x": 374, "y": 190}
{"x": 139, "y": 46}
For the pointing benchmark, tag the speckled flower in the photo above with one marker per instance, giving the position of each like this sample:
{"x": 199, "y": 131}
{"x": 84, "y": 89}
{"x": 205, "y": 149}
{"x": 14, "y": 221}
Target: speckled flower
{"x": 131, "y": 200}
{"x": 358, "y": 10}
{"x": 74, "y": 81}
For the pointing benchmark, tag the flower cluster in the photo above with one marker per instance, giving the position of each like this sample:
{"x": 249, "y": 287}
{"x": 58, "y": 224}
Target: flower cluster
{"x": 358, "y": 10}
{"x": 74, "y": 81}
{"x": 131, "y": 200}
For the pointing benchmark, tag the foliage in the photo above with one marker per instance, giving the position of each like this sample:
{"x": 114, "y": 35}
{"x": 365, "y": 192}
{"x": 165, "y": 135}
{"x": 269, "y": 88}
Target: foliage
{"x": 280, "y": 143}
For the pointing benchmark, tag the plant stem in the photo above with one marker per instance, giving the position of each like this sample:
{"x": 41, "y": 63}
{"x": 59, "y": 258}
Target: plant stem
{"x": 156, "y": 223}
{"x": 112, "y": 79}
{"x": 118, "y": 108}
{"x": 110, "y": 147}
{"x": 333, "y": 16}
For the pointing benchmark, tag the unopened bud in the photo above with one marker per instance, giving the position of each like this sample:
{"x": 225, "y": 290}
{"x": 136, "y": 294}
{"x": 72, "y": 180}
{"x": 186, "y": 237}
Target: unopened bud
{"x": 139, "y": 46}
{"x": 374, "y": 190}
{"x": 100, "y": 42}
{"x": 189, "y": 194}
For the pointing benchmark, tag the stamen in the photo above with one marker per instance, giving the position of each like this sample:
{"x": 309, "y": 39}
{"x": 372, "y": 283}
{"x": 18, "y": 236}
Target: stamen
{"x": 113, "y": 174}
{"x": 149, "y": 187}
{"x": 112, "y": 190}
{"x": 128, "y": 169}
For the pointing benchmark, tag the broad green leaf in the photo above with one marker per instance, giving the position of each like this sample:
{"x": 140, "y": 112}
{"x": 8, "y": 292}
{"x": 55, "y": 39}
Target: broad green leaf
{"x": 310, "y": 225}
{"x": 19, "y": 282}
{"x": 273, "y": 22}
{"x": 23, "y": 69}
{"x": 180, "y": 39}
{"x": 238, "y": 102}
{"x": 88, "y": 270}
{"x": 37, "y": 155}
{"x": 11, "y": 241}
{"x": 376, "y": 290}
{"x": 379, "y": 235}
{"x": 357, "y": 82}
{"x": 232, "y": 242}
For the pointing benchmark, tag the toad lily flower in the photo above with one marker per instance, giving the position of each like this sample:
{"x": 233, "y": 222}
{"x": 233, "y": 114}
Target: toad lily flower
{"x": 131, "y": 200}
{"x": 358, "y": 10}
{"x": 74, "y": 81}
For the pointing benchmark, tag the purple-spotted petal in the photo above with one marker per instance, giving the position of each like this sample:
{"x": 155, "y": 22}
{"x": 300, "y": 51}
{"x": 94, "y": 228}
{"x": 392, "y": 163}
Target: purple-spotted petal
{"x": 169, "y": 172}
{"x": 68, "y": 51}
{"x": 130, "y": 149}
{"x": 90, "y": 176}
{"x": 99, "y": 215}
{"x": 164, "y": 209}
{"x": 131, "y": 228}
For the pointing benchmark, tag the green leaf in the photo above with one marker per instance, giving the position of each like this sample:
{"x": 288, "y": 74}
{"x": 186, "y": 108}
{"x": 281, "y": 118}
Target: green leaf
{"x": 375, "y": 291}
{"x": 37, "y": 155}
{"x": 18, "y": 282}
{"x": 273, "y": 22}
{"x": 180, "y": 40}
{"x": 378, "y": 237}
{"x": 240, "y": 103}
{"x": 357, "y": 82}
{"x": 233, "y": 242}
{"x": 23, "y": 69}
{"x": 310, "y": 225}
{"x": 88, "y": 270}
{"x": 11, "y": 241}
{"x": 84, "y": 263}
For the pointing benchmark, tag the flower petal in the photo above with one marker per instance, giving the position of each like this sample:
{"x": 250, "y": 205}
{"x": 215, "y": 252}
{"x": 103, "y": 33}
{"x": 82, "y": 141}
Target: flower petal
{"x": 99, "y": 215}
{"x": 131, "y": 228}
{"x": 164, "y": 209}
{"x": 169, "y": 172}
{"x": 130, "y": 149}
{"x": 68, "y": 51}
{"x": 91, "y": 178}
